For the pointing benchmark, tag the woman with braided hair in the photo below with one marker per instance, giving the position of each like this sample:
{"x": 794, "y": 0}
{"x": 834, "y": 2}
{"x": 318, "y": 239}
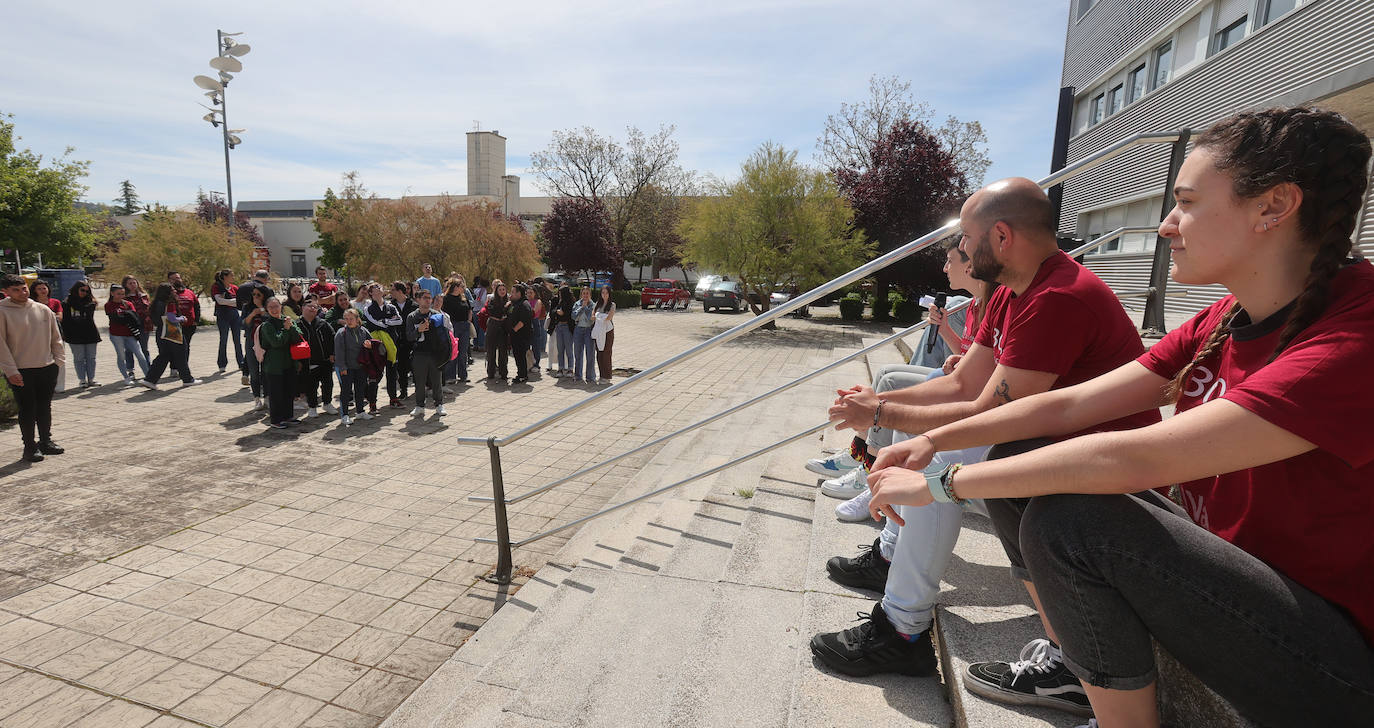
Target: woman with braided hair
{"x": 1259, "y": 579}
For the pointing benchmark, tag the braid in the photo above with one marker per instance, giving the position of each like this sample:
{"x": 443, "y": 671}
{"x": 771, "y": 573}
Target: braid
{"x": 1220, "y": 333}
{"x": 1326, "y": 157}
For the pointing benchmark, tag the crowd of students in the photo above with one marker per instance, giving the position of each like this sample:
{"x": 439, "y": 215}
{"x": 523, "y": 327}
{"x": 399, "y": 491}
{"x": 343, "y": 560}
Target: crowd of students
{"x": 1234, "y": 534}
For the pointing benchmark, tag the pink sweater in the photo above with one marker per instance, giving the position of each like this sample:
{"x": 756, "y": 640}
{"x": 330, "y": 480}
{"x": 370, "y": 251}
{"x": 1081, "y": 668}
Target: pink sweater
{"x": 29, "y": 337}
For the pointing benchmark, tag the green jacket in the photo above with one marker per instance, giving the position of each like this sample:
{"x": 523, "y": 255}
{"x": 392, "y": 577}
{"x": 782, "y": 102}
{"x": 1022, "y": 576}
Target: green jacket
{"x": 277, "y": 337}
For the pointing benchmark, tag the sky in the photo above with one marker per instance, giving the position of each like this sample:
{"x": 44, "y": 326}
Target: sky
{"x": 389, "y": 89}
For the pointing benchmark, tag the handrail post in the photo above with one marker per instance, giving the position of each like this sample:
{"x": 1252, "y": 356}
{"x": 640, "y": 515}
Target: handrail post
{"x": 1152, "y": 324}
{"x": 502, "y": 574}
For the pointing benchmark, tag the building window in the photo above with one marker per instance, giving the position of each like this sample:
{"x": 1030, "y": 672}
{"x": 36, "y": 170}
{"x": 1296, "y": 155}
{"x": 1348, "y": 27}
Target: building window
{"x": 1098, "y": 109}
{"x": 1116, "y": 98}
{"x": 1274, "y": 9}
{"x": 1084, "y": 6}
{"x": 1227, "y": 37}
{"x": 1164, "y": 65}
{"x": 1135, "y": 84}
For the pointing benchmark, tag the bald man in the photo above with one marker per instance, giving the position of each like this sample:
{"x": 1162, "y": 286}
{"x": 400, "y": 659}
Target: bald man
{"x": 1052, "y": 324}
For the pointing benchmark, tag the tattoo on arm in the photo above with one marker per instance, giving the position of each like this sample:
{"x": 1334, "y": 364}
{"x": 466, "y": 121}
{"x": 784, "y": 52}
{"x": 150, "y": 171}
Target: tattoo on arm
{"x": 1003, "y": 392}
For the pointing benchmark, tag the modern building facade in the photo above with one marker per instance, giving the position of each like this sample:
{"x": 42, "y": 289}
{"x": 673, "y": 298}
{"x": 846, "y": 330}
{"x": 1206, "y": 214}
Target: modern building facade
{"x": 1137, "y": 66}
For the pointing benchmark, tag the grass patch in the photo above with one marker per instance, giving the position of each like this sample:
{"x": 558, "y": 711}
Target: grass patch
{"x": 745, "y": 492}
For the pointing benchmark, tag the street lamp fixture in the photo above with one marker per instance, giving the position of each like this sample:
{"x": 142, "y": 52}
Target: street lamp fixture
{"x": 226, "y": 63}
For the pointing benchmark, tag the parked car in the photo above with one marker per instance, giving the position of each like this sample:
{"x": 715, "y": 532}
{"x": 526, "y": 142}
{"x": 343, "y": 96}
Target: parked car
{"x": 661, "y": 291}
{"x": 724, "y": 294}
{"x": 704, "y": 284}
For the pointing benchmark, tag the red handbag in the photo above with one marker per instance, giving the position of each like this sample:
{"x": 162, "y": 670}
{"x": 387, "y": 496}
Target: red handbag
{"x": 300, "y": 350}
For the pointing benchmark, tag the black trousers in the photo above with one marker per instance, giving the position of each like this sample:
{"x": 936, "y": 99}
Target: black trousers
{"x": 280, "y": 391}
{"x": 316, "y": 381}
{"x": 519, "y": 350}
{"x": 498, "y": 350}
{"x": 169, "y": 353}
{"x": 34, "y": 399}
{"x": 404, "y": 352}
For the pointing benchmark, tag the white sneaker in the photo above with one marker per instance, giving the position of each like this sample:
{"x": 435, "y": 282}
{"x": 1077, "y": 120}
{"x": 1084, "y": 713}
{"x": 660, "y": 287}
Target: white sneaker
{"x": 312, "y": 412}
{"x": 418, "y": 412}
{"x": 345, "y": 420}
{"x": 259, "y": 403}
{"x": 146, "y": 383}
{"x": 855, "y": 509}
{"x": 446, "y": 390}
{"x": 128, "y": 379}
{"x": 832, "y": 466}
{"x": 188, "y": 384}
{"x": 365, "y": 416}
{"x": 846, "y": 486}
{"x": 440, "y": 411}
{"x": 330, "y": 409}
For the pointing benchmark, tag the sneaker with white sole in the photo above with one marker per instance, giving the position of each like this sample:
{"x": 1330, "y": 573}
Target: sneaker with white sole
{"x": 1037, "y": 677}
{"x": 146, "y": 383}
{"x": 418, "y": 412}
{"x": 330, "y": 409}
{"x": 345, "y": 420}
{"x": 312, "y": 412}
{"x": 832, "y": 466}
{"x": 846, "y": 486}
{"x": 855, "y": 509}
{"x": 440, "y": 411}
{"x": 259, "y": 403}
{"x": 365, "y": 416}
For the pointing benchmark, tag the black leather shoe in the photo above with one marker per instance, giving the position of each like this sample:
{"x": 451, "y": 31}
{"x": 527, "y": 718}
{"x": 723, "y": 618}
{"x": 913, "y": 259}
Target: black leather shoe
{"x": 49, "y": 447}
{"x": 32, "y": 455}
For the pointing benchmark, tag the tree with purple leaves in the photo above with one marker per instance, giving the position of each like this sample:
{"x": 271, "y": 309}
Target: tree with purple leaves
{"x": 212, "y": 209}
{"x": 577, "y": 236}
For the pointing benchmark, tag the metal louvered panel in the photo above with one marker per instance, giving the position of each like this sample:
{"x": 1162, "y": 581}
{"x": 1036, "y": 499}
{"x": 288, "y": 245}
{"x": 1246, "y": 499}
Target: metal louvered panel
{"x": 1319, "y": 39}
{"x": 1108, "y": 31}
{"x": 1364, "y": 235}
{"x": 1131, "y": 272}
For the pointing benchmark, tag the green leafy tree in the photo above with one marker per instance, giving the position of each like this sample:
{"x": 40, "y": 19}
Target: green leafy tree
{"x": 779, "y": 223}
{"x": 165, "y": 240}
{"x": 127, "y": 203}
{"x": 38, "y": 212}
{"x": 333, "y": 251}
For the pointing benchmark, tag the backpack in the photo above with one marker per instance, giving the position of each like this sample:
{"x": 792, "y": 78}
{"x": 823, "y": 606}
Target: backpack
{"x": 439, "y": 340}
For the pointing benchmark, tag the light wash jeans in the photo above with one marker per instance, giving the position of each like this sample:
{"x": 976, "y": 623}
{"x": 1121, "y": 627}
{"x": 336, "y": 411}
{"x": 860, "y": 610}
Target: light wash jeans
{"x": 539, "y": 341}
{"x": 83, "y": 360}
{"x": 584, "y": 351}
{"x": 127, "y": 350}
{"x": 564, "y": 336}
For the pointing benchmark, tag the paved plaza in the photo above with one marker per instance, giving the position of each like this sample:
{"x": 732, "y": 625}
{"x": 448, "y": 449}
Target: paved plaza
{"x": 184, "y": 565}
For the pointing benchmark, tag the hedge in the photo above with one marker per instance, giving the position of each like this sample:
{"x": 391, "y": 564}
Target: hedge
{"x": 851, "y": 307}
{"x": 907, "y": 311}
{"x": 8, "y": 408}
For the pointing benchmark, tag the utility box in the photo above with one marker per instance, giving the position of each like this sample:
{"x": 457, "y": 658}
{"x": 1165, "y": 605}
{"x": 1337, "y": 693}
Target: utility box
{"x": 60, "y": 280}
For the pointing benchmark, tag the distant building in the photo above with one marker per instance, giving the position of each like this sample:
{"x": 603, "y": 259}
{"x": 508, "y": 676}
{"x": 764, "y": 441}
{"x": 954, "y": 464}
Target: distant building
{"x": 1163, "y": 65}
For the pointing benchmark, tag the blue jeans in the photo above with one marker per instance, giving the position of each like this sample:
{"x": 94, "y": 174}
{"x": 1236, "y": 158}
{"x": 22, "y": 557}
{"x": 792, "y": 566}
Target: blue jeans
{"x": 352, "y": 388}
{"x": 458, "y": 368}
{"x": 230, "y": 326}
{"x": 540, "y": 340}
{"x": 83, "y": 360}
{"x": 584, "y": 350}
{"x": 142, "y": 340}
{"x": 126, "y": 350}
{"x": 563, "y": 333}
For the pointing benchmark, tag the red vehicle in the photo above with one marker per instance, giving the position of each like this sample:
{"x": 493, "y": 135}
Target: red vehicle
{"x": 664, "y": 291}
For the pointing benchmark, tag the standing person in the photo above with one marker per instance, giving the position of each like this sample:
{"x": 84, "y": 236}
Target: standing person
{"x": 605, "y": 338}
{"x": 584, "y": 350}
{"x": 498, "y": 347}
{"x": 385, "y": 324}
{"x": 135, "y": 295}
{"x": 31, "y": 354}
{"x": 169, "y": 328}
{"x": 322, "y": 289}
{"x": 40, "y": 292}
{"x": 317, "y": 372}
{"x": 188, "y": 307}
{"x": 276, "y": 335}
{"x": 336, "y": 305}
{"x": 428, "y": 282}
{"x": 457, "y": 304}
{"x": 227, "y": 319}
{"x": 1261, "y": 578}
{"x": 405, "y": 305}
{"x": 479, "y": 298}
{"x": 520, "y": 322}
{"x": 244, "y": 300}
{"x": 561, "y": 319}
{"x": 80, "y": 331}
{"x": 294, "y": 305}
{"x": 350, "y": 341}
{"x": 431, "y": 334}
{"x": 539, "y": 300}
{"x": 125, "y": 326}
{"x": 257, "y": 313}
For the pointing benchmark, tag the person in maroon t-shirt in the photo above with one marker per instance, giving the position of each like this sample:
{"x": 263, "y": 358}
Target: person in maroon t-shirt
{"x": 188, "y": 307}
{"x": 1260, "y": 583}
{"x": 1050, "y": 325}
{"x": 320, "y": 288}
{"x": 125, "y": 327}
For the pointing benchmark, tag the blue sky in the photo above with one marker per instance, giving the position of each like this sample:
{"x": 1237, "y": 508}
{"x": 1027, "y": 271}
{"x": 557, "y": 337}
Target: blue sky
{"x": 389, "y": 89}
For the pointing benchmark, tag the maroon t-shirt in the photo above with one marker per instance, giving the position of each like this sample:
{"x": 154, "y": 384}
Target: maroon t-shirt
{"x": 1068, "y": 323}
{"x": 1309, "y": 516}
{"x": 118, "y": 327}
{"x": 320, "y": 290}
{"x": 186, "y": 305}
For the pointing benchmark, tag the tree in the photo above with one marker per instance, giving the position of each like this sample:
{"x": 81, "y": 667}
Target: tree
{"x": 390, "y": 239}
{"x": 212, "y": 209}
{"x": 165, "y": 241}
{"x": 911, "y": 186}
{"x": 577, "y": 236}
{"x": 652, "y": 238}
{"x": 127, "y": 201}
{"x": 333, "y": 251}
{"x": 780, "y": 223}
{"x": 850, "y": 134}
{"x": 624, "y": 179}
{"x": 38, "y": 213}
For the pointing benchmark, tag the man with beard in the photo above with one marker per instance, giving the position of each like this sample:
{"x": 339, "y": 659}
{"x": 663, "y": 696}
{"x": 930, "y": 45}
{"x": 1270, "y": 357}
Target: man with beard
{"x": 1052, "y": 324}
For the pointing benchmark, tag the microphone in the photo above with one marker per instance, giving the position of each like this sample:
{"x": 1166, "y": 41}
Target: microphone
{"x": 940, "y": 299}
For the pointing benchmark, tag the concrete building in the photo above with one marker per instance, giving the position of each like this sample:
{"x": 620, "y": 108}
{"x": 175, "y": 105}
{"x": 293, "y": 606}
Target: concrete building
{"x": 1133, "y": 66}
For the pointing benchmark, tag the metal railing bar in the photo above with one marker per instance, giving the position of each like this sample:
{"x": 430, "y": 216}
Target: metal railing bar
{"x": 797, "y": 302}
{"x": 1087, "y": 247}
{"x": 659, "y": 491}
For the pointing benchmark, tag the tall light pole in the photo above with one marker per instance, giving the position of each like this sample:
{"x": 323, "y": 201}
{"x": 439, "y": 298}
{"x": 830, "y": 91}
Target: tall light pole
{"x": 226, "y": 63}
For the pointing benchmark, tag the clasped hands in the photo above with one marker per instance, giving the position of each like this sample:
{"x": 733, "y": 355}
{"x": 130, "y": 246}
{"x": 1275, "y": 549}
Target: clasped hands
{"x": 896, "y": 477}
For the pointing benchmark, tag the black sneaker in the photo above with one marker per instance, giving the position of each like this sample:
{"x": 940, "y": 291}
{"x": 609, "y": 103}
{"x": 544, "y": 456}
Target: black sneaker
{"x": 32, "y": 455}
{"x": 868, "y": 570}
{"x": 48, "y": 447}
{"x": 1037, "y": 678}
{"x": 874, "y": 647}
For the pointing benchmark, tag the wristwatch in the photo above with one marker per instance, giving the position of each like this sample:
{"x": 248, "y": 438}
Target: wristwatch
{"x": 941, "y": 484}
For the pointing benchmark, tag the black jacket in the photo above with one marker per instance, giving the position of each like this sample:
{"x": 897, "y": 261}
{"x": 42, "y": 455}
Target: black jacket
{"x": 321, "y": 337}
{"x": 78, "y": 322}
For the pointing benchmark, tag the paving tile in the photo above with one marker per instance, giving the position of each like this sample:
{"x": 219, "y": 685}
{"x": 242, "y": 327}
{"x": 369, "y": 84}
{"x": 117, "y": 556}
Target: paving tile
{"x": 404, "y": 617}
{"x": 148, "y": 629}
{"x": 231, "y": 651}
{"x": 278, "y": 624}
{"x": 47, "y": 646}
{"x": 326, "y": 678}
{"x": 173, "y": 685}
{"x": 376, "y": 693}
{"x": 319, "y": 598}
{"x": 332, "y": 716}
{"x": 417, "y": 658}
{"x": 199, "y": 603}
{"x": 243, "y": 581}
{"x": 116, "y": 714}
{"x": 105, "y": 620}
{"x": 316, "y": 568}
{"x": 72, "y": 608}
{"x": 354, "y": 576}
{"x": 23, "y": 689}
{"x": 277, "y": 665}
{"x": 188, "y": 640}
{"x": 238, "y": 613}
{"x": 124, "y": 586}
{"x": 393, "y": 584}
{"x": 222, "y": 700}
{"x": 208, "y": 572}
{"x": 161, "y": 594}
{"x": 360, "y": 607}
{"x": 87, "y": 658}
{"x": 279, "y": 589}
{"x": 322, "y": 634}
{"x": 278, "y": 709}
{"x": 91, "y": 576}
{"x": 368, "y": 645}
{"x": 66, "y": 704}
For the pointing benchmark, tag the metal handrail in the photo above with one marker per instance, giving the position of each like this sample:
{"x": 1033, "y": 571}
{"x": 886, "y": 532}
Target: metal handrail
{"x": 801, "y": 300}
{"x": 1085, "y": 248}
